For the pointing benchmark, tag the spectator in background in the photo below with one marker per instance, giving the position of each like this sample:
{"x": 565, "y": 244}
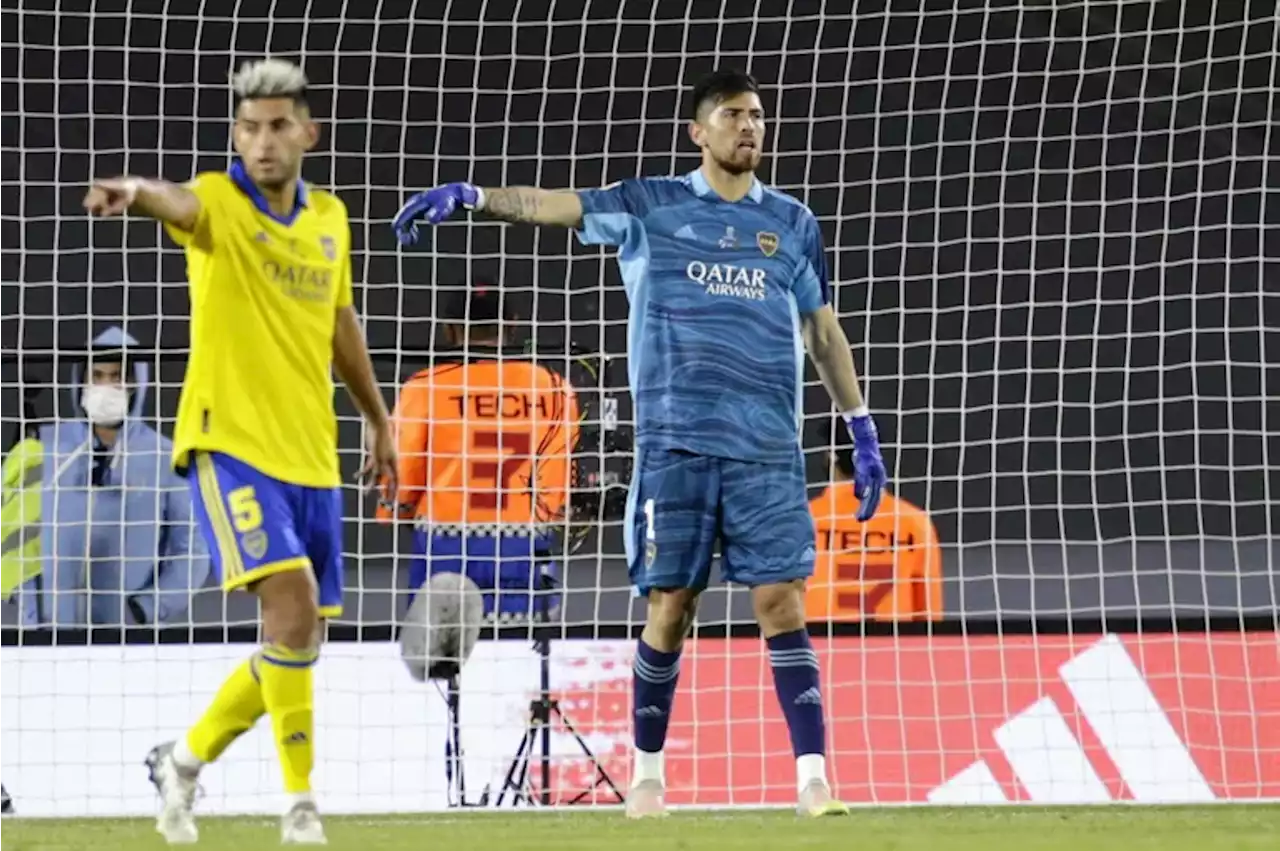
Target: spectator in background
{"x": 115, "y": 544}
{"x": 22, "y": 473}
{"x": 485, "y": 440}
{"x": 889, "y": 568}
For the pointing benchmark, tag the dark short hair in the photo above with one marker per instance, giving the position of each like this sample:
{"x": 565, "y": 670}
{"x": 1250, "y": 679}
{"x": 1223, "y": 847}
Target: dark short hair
{"x": 480, "y": 304}
{"x": 719, "y": 86}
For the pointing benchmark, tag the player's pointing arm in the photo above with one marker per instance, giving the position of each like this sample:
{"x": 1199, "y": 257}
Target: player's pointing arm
{"x": 157, "y": 199}
{"x": 513, "y": 204}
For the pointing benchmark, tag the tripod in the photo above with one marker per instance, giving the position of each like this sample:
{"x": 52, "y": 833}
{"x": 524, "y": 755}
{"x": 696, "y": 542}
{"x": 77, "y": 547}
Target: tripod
{"x": 516, "y": 785}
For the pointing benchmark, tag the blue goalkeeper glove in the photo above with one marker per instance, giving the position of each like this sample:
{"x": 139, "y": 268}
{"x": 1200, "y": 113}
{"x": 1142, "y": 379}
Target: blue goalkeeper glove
{"x": 433, "y": 207}
{"x": 869, "y": 474}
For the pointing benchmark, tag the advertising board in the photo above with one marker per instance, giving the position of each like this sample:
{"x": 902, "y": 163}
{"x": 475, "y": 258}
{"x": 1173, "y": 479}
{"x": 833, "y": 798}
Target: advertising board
{"x": 954, "y": 720}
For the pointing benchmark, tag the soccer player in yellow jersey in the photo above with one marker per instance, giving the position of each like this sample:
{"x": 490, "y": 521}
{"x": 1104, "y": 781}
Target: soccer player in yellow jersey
{"x": 269, "y": 263}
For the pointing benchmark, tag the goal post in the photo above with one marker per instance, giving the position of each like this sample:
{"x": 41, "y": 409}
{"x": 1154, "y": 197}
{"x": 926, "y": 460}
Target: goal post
{"x": 1050, "y": 234}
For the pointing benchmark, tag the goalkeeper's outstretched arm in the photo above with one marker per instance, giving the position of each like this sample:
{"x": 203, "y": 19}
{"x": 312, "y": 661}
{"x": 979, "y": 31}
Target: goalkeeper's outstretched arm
{"x": 560, "y": 207}
{"x": 157, "y": 199}
{"x": 828, "y": 346}
{"x": 528, "y": 204}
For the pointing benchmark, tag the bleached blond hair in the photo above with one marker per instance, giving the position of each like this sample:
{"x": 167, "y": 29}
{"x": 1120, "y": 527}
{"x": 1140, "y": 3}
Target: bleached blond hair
{"x": 269, "y": 78}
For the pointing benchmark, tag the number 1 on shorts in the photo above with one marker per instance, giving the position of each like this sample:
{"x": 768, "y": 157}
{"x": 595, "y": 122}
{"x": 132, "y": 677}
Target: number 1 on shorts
{"x": 649, "y": 534}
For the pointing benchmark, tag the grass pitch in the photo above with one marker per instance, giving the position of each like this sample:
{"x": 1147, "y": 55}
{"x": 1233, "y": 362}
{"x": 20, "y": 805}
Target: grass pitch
{"x": 1124, "y": 828}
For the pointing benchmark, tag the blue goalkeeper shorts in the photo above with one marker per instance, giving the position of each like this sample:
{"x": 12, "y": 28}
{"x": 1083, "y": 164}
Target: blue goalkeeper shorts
{"x": 257, "y": 525}
{"x": 681, "y": 505}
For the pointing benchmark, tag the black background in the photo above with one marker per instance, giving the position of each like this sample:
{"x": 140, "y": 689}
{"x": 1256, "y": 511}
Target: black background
{"x": 1050, "y": 228}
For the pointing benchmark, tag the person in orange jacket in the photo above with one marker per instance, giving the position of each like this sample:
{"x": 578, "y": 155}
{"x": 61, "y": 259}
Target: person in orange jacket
{"x": 485, "y": 440}
{"x": 889, "y": 568}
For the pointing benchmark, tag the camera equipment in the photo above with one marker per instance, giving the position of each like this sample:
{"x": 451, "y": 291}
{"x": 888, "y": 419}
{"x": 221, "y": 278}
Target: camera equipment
{"x": 602, "y": 457}
{"x": 441, "y": 627}
{"x": 601, "y": 473}
{"x": 544, "y": 712}
{"x": 541, "y": 712}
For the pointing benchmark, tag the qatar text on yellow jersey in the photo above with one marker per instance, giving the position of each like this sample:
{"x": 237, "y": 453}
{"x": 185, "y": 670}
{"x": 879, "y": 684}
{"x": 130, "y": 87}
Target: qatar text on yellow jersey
{"x": 265, "y": 291}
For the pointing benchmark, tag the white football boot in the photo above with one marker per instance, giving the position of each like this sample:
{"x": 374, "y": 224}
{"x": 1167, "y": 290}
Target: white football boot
{"x": 816, "y": 801}
{"x": 177, "y": 790}
{"x": 647, "y": 799}
{"x": 301, "y": 825}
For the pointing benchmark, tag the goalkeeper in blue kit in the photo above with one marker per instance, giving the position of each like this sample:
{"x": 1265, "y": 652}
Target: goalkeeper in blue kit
{"x": 727, "y": 282}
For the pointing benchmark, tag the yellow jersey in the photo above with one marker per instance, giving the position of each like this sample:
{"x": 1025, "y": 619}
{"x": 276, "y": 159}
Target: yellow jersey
{"x": 265, "y": 291}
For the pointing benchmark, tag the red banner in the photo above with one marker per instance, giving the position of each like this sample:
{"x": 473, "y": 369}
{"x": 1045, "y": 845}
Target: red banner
{"x": 1158, "y": 718}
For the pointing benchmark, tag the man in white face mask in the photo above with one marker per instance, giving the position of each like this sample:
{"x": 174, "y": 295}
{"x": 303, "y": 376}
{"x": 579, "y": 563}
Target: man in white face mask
{"x": 116, "y": 540}
{"x": 105, "y": 400}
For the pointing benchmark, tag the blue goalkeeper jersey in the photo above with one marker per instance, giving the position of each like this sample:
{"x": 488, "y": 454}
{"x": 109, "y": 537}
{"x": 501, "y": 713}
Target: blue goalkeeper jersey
{"x": 717, "y": 289}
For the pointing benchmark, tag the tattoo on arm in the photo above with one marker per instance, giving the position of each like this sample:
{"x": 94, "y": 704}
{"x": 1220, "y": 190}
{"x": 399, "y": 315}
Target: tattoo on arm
{"x": 520, "y": 204}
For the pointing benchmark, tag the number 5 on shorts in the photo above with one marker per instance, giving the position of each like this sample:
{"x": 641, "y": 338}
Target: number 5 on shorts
{"x": 246, "y": 512}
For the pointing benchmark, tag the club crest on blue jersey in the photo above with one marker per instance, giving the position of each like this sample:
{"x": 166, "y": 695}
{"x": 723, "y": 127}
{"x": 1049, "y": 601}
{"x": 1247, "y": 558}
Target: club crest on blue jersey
{"x": 768, "y": 242}
{"x": 329, "y": 247}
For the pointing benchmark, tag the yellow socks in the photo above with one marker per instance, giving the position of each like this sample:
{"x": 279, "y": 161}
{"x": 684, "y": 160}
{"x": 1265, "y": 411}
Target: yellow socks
{"x": 286, "y": 680}
{"x": 235, "y": 708}
{"x": 277, "y": 680}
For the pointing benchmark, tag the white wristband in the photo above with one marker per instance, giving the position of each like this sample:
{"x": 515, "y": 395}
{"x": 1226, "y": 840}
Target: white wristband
{"x": 860, "y": 411}
{"x": 131, "y": 187}
{"x": 479, "y": 205}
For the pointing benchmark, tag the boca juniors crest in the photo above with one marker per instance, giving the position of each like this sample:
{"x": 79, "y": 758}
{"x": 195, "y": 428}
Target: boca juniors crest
{"x": 254, "y": 543}
{"x": 768, "y": 243}
{"x": 329, "y": 247}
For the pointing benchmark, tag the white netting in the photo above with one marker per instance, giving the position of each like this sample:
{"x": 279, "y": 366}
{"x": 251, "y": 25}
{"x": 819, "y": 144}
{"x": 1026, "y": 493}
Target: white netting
{"x": 1049, "y": 227}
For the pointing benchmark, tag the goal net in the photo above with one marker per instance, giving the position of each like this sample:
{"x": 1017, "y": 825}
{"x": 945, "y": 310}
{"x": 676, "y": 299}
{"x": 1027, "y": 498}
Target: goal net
{"x": 1049, "y": 232}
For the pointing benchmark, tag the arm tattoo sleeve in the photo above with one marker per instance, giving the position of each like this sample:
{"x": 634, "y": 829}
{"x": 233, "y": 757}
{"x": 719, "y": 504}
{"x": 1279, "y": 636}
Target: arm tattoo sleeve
{"x": 521, "y": 204}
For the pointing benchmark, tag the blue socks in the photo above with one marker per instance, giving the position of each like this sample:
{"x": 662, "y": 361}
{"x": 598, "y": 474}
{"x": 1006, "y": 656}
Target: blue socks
{"x": 795, "y": 677}
{"x": 653, "y": 691}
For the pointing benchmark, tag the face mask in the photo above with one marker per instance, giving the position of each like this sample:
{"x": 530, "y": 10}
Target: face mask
{"x": 106, "y": 404}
